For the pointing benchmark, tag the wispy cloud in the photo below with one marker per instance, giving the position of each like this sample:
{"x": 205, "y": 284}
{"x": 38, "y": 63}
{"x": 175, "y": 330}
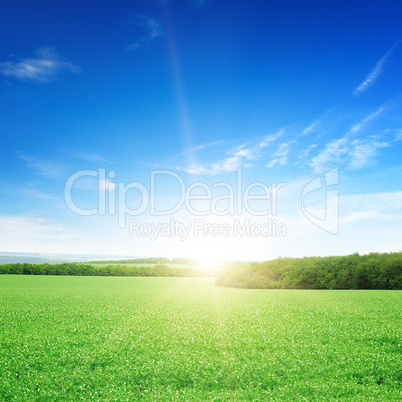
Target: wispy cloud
{"x": 203, "y": 146}
{"x": 281, "y": 155}
{"x": 38, "y": 194}
{"x": 198, "y": 3}
{"x": 149, "y": 29}
{"x": 398, "y": 136}
{"x": 310, "y": 128}
{"x": 199, "y": 148}
{"x": 355, "y": 154}
{"x": 89, "y": 157}
{"x": 107, "y": 185}
{"x": 332, "y": 154}
{"x": 42, "y": 220}
{"x": 363, "y": 123}
{"x": 30, "y": 234}
{"x": 376, "y": 203}
{"x": 317, "y": 126}
{"x": 170, "y": 162}
{"x": 226, "y": 165}
{"x": 238, "y": 158}
{"x": 45, "y": 168}
{"x": 45, "y": 67}
{"x": 363, "y": 151}
{"x": 269, "y": 139}
{"x": 306, "y": 152}
{"x": 356, "y": 149}
{"x": 373, "y": 75}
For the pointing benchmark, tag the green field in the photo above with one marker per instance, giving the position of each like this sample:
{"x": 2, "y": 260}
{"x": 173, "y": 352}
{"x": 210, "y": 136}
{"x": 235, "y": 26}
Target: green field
{"x": 114, "y": 338}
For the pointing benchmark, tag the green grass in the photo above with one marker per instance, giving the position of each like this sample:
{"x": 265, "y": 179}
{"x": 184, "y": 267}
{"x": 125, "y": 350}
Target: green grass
{"x": 113, "y": 338}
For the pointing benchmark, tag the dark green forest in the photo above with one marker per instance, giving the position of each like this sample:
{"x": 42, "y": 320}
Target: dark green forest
{"x": 371, "y": 271}
{"x": 152, "y": 260}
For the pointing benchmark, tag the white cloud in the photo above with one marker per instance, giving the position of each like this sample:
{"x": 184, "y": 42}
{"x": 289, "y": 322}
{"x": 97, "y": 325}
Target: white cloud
{"x": 226, "y": 165}
{"x": 398, "y": 136}
{"x": 29, "y": 234}
{"x": 373, "y": 75}
{"x": 353, "y": 154}
{"x": 38, "y": 194}
{"x": 238, "y": 158}
{"x": 269, "y": 139}
{"x": 188, "y": 152}
{"x": 332, "y": 154}
{"x": 317, "y": 123}
{"x": 199, "y": 170}
{"x": 45, "y": 67}
{"x": 198, "y": 148}
{"x": 150, "y": 29}
{"x": 106, "y": 185}
{"x": 89, "y": 157}
{"x": 359, "y": 126}
{"x": 203, "y": 146}
{"x": 305, "y": 152}
{"x": 386, "y": 206}
{"x": 310, "y": 128}
{"x": 45, "y": 168}
{"x": 362, "y": 152}
{"x": 282, "y": 155}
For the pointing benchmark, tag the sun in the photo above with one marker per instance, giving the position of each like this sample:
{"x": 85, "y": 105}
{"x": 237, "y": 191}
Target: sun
{"x": 208, "y": 252}
{"x": 211, "y": 258}
{"x": 210, "y": 263}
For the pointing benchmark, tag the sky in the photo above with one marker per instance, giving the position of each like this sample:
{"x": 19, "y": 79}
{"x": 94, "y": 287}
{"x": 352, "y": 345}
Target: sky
{"x": 201, "y": 128}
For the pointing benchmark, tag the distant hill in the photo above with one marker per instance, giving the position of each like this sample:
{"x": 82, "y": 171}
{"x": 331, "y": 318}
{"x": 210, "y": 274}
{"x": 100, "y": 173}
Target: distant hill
{"x": 43, "y": 258}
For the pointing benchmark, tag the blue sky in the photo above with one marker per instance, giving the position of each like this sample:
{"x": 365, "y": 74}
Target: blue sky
{"x": 280, "y": 91}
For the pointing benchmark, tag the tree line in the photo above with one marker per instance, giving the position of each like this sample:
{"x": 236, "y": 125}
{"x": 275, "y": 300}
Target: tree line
{"x": 77, "y": 269}
{"x": 371, "y": 271}
{"x": 152, "y": 260}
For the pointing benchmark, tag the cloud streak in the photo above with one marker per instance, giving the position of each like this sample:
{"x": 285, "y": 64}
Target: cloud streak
{"x": 30, "y": 234}
{"x": 38, "y": 194}
{"x": 198, "y": 3}
{"x": 310, "y": 128}
{"x": 90, "y": 157}
{"x": 227, "y": 165}
{"x": 355, "y": 154}
{"x": 362, "y": 152}
{"x": 44, "y": 68}
{"x": 373, "y": 75}
{"x": 150, "y": 29}
{"x": 362, "y": 124}
{"x": 281, "y": 154}
{"x": 238, "y": 158}
{"x": 398, "y": 136}
{"x": 46, "y": 168}
{"x": 306, "y": 152}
